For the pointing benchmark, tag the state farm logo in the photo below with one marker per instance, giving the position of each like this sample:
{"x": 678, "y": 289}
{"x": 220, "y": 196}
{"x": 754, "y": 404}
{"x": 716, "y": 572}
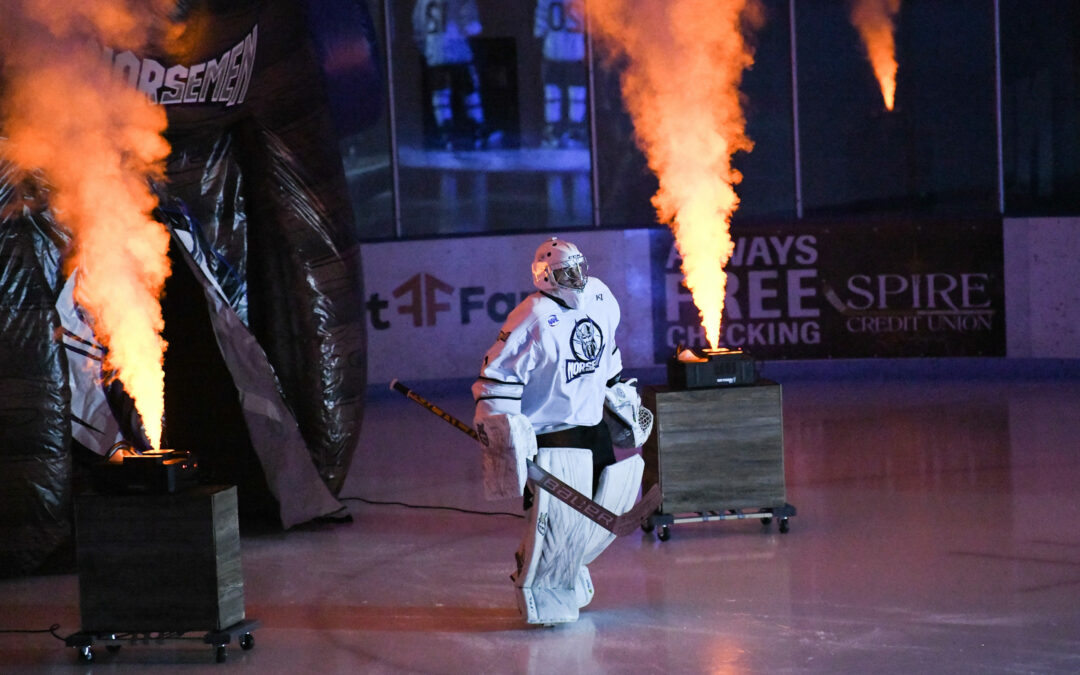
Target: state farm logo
{"x": 426, "y": 300}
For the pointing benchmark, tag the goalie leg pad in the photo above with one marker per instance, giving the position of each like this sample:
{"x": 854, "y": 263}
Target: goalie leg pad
{"x": 617, "y": 492}
{"x": 551, "y": 553}
{"x": 583, "y": 588}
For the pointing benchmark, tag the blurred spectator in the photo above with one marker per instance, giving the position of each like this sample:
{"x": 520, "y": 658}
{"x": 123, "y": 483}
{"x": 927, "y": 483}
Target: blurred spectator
{"x": 441, "y": 30}
{"x": 561, "y": 25}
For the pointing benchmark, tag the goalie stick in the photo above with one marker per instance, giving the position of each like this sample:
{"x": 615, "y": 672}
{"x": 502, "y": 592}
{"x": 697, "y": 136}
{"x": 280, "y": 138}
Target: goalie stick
{"x": 612, "y": 522}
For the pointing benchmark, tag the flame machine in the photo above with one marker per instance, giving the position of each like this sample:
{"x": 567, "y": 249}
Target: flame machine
{"x": 158, "y": 555}
{"x": 717, "y": 451}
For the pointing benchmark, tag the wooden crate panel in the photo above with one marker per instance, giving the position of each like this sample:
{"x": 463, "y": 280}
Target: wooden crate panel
{"x": 150, "y": 563}
{"x": 717, "y": 449}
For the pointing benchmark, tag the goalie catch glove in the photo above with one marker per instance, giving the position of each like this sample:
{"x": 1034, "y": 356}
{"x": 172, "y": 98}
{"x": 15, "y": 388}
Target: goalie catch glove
{"x": 629, "y": 422}
{"x": 507, "y": 440}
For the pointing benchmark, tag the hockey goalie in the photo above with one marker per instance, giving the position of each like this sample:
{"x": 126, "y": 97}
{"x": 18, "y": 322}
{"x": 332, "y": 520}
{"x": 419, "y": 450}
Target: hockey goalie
{"x": 550, "y": 388}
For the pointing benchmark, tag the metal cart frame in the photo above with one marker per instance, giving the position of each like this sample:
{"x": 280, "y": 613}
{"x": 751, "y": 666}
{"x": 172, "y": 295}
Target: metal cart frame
{"x": 84, "y": 641}
{"x": 665, "y": 520}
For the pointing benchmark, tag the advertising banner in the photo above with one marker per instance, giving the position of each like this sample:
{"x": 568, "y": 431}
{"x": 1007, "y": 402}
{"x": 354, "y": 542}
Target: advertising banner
{"x": 795, "y": 291}
{"x": 848, "y": 289}
{"x": 435, "y": 306}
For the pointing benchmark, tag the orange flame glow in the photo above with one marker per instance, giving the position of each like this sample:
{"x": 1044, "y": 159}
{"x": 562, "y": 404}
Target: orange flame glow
{"x": 97, "y": 141}
{"x": 874, "y": 19}
{"x": 683, "y": 63}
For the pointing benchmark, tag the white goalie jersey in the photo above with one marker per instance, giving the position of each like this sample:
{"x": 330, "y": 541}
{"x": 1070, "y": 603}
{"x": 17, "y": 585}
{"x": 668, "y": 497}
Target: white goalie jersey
{"x": 552, "y": 363}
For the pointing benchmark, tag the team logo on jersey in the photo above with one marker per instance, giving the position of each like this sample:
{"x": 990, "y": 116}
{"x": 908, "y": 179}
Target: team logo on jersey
{"x": 587, "y": 346}
{"x": 553, "y": 319}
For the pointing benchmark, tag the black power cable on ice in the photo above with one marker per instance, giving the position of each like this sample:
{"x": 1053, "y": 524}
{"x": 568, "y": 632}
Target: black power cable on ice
{"x": 437, "y": 508}
{"x": 51, "y": 629}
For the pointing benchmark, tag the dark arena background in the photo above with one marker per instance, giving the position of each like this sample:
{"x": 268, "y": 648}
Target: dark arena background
{"x": 339, "y": 209}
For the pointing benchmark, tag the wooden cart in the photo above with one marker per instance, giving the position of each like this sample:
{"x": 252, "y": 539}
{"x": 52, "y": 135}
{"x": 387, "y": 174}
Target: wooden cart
{"x": 717, "y": 454}
{"x": 154, "y": 567}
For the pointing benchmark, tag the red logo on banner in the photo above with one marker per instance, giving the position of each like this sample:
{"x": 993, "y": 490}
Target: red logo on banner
{"x": 425, "y": 306}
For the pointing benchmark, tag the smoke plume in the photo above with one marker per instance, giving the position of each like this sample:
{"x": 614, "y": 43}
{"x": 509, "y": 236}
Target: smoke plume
{"x": 683, "y": 62}
{"x": 874, "y": 20}
{"x": 96, "y": 141}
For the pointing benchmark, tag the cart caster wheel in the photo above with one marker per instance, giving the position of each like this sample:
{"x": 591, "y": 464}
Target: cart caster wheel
{"x": 112, "y": 648}
{"x": 783, "y": 525}
{"x": 247, "y": 641}
{"x": 766, "y": 521}
{"x": 664, "y": 533}
{"x": 221, "y": 654}
{"x": 86, "y": 655}
{"x": 648, "y": 526}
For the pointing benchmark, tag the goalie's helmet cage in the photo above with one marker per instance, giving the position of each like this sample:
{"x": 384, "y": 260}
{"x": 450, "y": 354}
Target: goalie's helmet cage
{"x": 560, "y": 268}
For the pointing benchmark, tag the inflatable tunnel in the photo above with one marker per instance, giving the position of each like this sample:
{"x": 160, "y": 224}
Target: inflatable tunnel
{"x": 265, "y": 372}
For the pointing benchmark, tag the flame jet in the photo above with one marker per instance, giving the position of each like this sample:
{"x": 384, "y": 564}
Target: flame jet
{"x": 95, "y": 141}
{"x": 874, "y": 20}
{"x": 683, "y": 62}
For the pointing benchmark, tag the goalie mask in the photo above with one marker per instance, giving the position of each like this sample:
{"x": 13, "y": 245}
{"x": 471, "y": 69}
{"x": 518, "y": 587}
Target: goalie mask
{"x": 560, "y": 269}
